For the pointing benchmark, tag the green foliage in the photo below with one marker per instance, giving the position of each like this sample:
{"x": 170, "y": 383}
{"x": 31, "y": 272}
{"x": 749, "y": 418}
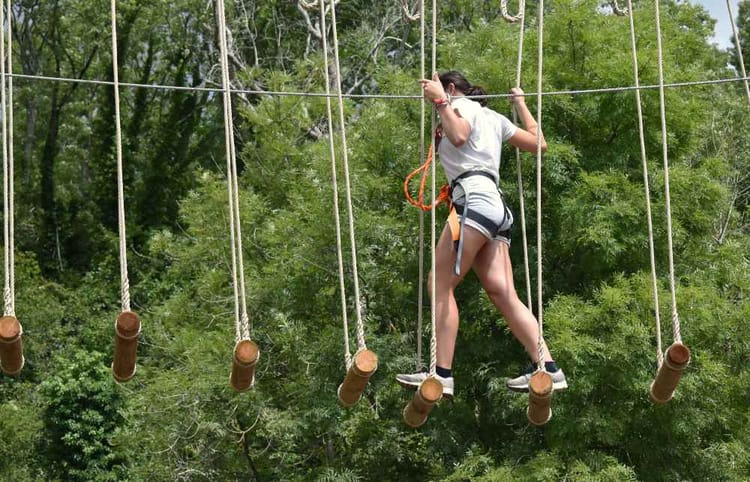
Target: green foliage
{"x": 81, "y": 414}
{"x": 19, "y": 428}
{"x": 64, "y": 419}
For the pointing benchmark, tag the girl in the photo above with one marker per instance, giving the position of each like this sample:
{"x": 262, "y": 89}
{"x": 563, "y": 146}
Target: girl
{"x": 470, "y": 154}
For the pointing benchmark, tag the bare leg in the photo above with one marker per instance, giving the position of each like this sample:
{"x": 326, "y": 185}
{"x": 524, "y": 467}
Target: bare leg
{"x": 492, "y": 266}
{"x": 446, "y": 310}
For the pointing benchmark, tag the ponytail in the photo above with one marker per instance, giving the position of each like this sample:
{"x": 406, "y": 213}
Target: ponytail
{"x": 464, "y": 86}
{"x": 477, "y": 90}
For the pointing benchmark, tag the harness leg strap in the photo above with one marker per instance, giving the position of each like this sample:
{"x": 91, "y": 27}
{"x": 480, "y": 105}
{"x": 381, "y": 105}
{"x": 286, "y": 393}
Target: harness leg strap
{"x": 460, "y": 249}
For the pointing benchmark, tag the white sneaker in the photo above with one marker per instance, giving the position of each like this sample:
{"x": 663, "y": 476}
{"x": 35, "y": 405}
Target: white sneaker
{"x": 412, "y": 381}
{"x": 521, "y": 384}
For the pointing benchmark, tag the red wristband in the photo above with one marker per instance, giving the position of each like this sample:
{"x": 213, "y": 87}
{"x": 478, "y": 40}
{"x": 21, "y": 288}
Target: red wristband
{"x": 440, "y": 102}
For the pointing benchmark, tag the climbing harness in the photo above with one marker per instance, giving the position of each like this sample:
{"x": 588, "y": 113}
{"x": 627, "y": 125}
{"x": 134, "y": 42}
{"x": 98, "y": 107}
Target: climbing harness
{"x": 494, "y": 229}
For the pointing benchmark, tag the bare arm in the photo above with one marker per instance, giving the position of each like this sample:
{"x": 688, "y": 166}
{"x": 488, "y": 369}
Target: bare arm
{"x": 525, "y": 139}
{"x": 455, "y": 128}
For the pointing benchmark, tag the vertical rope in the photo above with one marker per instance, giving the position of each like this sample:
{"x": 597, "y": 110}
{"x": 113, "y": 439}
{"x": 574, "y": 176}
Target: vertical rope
{"x": 349, "y": 208}
{"x": 422, "y": 121}
{"x": 11, "y": 170}
{"x": 522, "y": 202}
{"x": 244, "y": 319}
{"x": 662, "y": 111}
{"x": 738, "y": 46}
{"x": 124, "y": 283}
{"x": 230, "y": 183}
{"x": 242, "y": 324}
{"x": 334, "y": 186}
{"x": 540, "y": 65}
{"x": 7, "y": 292}
{"x": 644, "y": 161}
{"x": 433, "y": 277}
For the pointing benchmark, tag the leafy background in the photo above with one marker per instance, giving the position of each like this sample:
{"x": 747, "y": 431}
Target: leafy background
{"x": 64, "y": 418}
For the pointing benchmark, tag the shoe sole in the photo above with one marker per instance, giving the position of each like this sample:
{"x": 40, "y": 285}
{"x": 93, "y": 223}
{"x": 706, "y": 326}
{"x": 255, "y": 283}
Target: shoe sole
{"x": 556, "y": 386}
{"x": 406, "y": 385}
{"x": 413, "y": 388}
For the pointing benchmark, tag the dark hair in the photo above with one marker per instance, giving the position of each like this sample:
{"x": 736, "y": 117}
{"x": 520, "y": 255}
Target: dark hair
{"x": 462, "y": 85}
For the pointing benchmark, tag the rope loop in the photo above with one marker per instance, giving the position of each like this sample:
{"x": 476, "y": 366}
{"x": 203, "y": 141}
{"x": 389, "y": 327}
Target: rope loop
{"x": 312, "y": 5}
{"x": 307, "y": 5}
{"x": 621, "y": 12}
{"x": 407, "y": 11}
{"x": 512, "y": 18}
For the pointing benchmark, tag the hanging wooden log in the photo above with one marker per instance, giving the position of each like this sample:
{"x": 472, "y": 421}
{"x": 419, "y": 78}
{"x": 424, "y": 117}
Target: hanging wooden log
{"x": 127, "y": 330}
{"x": 246, "y": 353}
{"x": 363, "y": 365}
{"x": 676, "y": 359}
{"x": 539, "y": 411}
{"x": 11, "y": 345}
{"x": 425, "y": 398}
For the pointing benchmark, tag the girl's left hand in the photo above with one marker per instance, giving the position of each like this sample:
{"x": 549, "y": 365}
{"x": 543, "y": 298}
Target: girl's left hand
{"x": 433, "y": 89}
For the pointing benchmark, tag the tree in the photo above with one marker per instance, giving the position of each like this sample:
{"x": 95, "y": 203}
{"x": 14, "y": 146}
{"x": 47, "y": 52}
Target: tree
{"x": 81, "y": 415}
{"x": 743, "y": 32}
{"x": 179, "y": 419}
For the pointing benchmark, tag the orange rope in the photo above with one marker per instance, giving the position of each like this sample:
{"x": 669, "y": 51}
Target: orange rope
{"x": 442, "y": 197}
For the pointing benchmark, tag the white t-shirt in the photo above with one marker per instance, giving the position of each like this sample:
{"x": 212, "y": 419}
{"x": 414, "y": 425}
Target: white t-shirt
{"x": 481, "y": 152}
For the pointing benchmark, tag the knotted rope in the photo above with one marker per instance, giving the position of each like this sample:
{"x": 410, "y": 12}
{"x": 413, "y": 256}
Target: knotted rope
{"x": 242, "y": 323}
{"x": 6, "y": 104}
{"x": 124, "y": 282}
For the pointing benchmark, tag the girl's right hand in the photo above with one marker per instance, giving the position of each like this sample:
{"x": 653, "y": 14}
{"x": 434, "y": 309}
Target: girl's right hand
{"x": 517, "y": 96}
{"x": 433, "y": 89}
